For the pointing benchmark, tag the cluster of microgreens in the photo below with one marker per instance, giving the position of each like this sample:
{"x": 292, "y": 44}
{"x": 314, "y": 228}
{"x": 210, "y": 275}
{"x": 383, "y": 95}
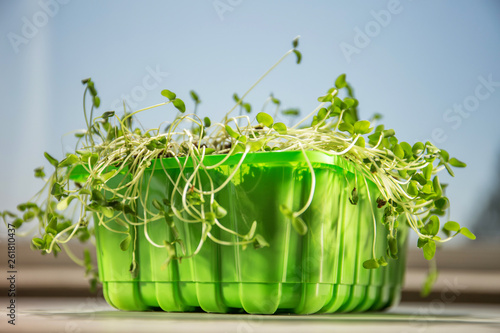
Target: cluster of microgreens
{"x": 404, "y": 174}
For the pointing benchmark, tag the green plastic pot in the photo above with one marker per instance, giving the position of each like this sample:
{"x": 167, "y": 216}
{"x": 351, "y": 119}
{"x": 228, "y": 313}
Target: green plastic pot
{"x": 320, "y": 272}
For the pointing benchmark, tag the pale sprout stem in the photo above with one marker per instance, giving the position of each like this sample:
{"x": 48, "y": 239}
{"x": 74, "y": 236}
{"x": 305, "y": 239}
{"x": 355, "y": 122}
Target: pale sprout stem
{"x": 258, "y": 81}
{"x": 373, "y": 218}
{"x": 313, "y": 185}
{"x": 309, "y": 115}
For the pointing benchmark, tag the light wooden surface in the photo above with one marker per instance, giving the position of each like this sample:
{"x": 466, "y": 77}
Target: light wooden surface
{"x": 94, "y": 315}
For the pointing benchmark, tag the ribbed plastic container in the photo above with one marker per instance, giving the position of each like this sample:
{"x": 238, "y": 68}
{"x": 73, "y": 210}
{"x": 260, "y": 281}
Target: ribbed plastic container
{"x": 320, "y": 272}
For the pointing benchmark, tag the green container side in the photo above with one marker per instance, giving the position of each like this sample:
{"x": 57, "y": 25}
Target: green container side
{"x": 319, "y": 272}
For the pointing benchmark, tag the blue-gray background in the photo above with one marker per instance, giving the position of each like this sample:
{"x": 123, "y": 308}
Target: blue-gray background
{"x": 409, "y": 60}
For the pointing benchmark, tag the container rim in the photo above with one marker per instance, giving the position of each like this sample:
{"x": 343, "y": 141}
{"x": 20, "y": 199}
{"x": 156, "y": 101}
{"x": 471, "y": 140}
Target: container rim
{"x": 271, "y": 158}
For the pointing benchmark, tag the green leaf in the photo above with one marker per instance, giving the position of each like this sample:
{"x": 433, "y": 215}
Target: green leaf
{"x": 51, "y": 160}
{"x": 157, "y": 205}
{"x": 374, "y": 138}
{"x": 406, "y": 148}
{"x": 345, "y": 127}
{"x": 69, "y": 160}
{"x": 442, "y": 203}
{"x": 466, "y": 232}
{"x": 295, "y": 42}
{"x": 427, "y": 189}
{"x": 179, "y": 104}
{"x": 251, "y": 232}
{"x": 57, "y": 190}
{"x": 98, "y": 197}
{"x": 231, "y": 132}
{"x": 209, "y": 151}
{"x": 17, "y": 223}
{"x": 63, "y": 204}
{"x": 427, "y": 171}
{"x": 291, "y": 112}
{"x": 429, "y": 249}
{"x": 280, "y": 128}
{"x": 91, "y": 87}
{"x": 206, "y": 229}
{"x": 362, "y": 127}
{"x": 210, "y": 217}
{"x": 168, "y": 94}
{"x": 265, "y": 119}
{"x": 353, "y": 199}
{"x": 127, "y": 209}
{"x": 108, "y": 114}
{"x": 286, "y": 211}
{"x": 207, "y": 122}
{"x": 38, "y": 243}
{"x": 122, "y": 223}
{"x": 299, "y": 56}
{"x": 456, "y": 163}
{"x": 444, "y": 154}
{"x": 431, "y": 228}
{"x": 108, "y": 175}
{"x": 417, "y": 148}
{"x": 388, "y": 133}
{"x": 398, "y": 151}
{"x": 340, "y": 81}
{"x": 236, "y": 98}
{"x": 151, "y": 145}
{"x": 382, "y": 262}
{"x": 116, "y": 205}
{"x": 51, "y": 227}
{"x": 97, "y": 101}
{"x": 275, "y": 100}
{"x": 125, "y": 243}
{"x": 106, "y": 211}
{"x": 412, "y": 188}
{"x": 299, "y": 225}
{"x": 322, "y": 113}
{"x": 247, "y": 107}
{"x": 219, "y": 211}
{"x": 351, "y": 102}
{"x": 256, "y": 145}
{"x": 39, "y": 173}
{"x": 87, "y": 260}
{"x": 429, "y": 282}
{"x": 393, "y": 140}
{"x": 421, "y": 242}
{"x": 437, "y": 186}
{"x": 360, "y": 142}
{"x": 240, "y": 148}
{"x": 260, "y": 242}
{"x": 194, "y": 96}
{"x": 371, "y": 264}
{"x": 448, "y": 168}
{"x": 393, "y": 246}
{"x": 419, "y": 178}
{"x": 452, "y": 226}
{"x": 348, "y": 118}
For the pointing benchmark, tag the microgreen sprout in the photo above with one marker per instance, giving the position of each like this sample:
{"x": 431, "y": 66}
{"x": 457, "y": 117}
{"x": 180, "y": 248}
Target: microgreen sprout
{"x": 405, "y": 174}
